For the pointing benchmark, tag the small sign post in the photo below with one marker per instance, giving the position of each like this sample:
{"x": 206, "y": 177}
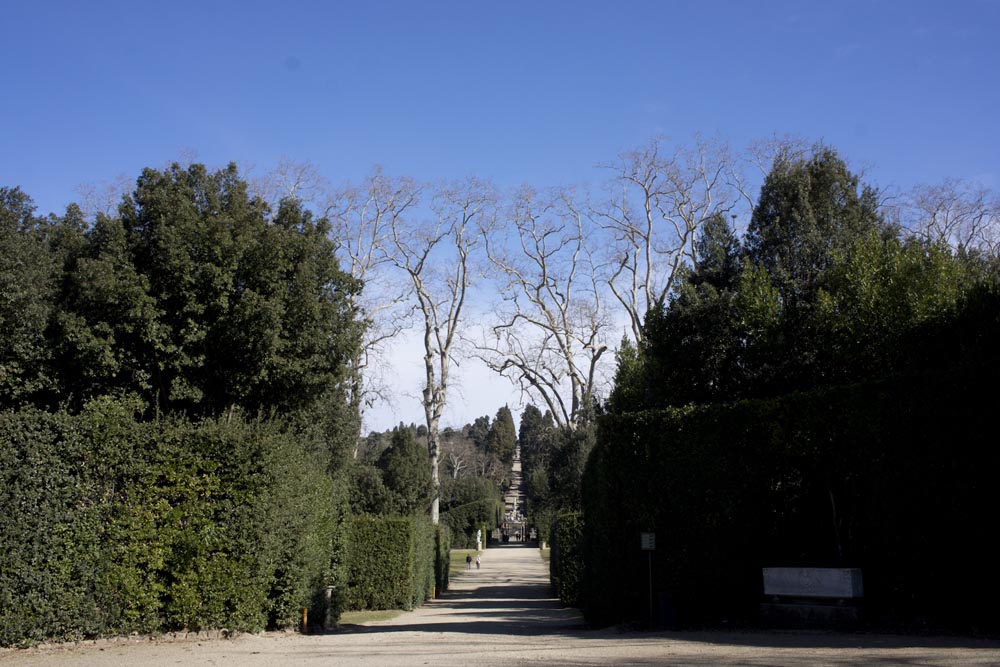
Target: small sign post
{"x": 648, "y": 544}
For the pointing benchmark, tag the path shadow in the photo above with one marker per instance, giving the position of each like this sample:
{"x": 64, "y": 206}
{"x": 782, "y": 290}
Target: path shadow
{"x": 526, "y": 608}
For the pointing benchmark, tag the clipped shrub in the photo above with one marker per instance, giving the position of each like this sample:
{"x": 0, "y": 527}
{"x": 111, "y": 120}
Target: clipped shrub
{"x": 52, "y": 512}
{"x": 894, "y": 477}
{"x": 470, "y": 504}
{"x": 424, "y": 561}
{"x": 390, "y": 562}
{"x": 566, "y": 557}
{"x": 442, "y": 558}
{"x": 145, "y": 527}
{"x": 379, "y": 562}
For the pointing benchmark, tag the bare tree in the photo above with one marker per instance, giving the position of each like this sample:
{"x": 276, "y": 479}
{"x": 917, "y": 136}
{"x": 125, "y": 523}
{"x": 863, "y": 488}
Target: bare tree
{"x": 104, "y": 197}
{"x": 551, "y": 334}
{"x": 290, "y": 179}
{"x": 363, "y": 218}
{"x": 961, "y": 214}
{"x": 435, "y": 256}
{"x": 457, "y": 454}
{"x": 658, "y": 203}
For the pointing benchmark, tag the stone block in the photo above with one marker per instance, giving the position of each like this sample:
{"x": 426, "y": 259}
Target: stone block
{"x": 813, "y": 582}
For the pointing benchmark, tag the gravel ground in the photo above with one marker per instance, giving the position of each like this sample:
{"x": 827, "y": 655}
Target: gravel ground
{"x": 502, "y": 615}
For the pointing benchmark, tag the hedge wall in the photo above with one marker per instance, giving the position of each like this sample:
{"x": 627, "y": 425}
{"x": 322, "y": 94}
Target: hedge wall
{"x": 893, "y": 477}
{"x": 112, "y": 526}
{"x": 464, "y": 521}
{"x": 442, "y": 558}
{"x": 391, "y": 562}
{"x": 566, "y": 557}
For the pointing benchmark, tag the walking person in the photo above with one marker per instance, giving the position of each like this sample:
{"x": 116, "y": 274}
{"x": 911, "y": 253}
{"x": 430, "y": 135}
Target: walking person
{"x": 468, "y": 561}
{"x": 477, "y": 561}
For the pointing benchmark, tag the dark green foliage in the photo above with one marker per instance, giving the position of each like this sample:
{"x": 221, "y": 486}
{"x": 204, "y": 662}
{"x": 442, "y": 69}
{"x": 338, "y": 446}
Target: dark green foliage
{"x": 50, "y": 528}
{"x": 535, "y": 437}
{"x": 425, "y": 561}
{"x": 442, "y": 558}
{"x": 379, "y": 562}
{"x": 869, "y": 357}
{"x": 391, "y": 562}
{"x": 28, "y": 281}
{"x": 144, "y": 527}
{"x": 566, "y": 558}
{"x": 552, "y": 466}
{"x": 894, "y": 477}
{"x": 809, "y": 210}
{"x": 629, "y": 389}
{"x": 406, "y": 474}
{"x": 727, "y": 341}
{"x": 479, "y": 431}
{"x": 719, "y": 255}
{"x": 194, "y": 300}
{"x": 531, "y": 435}
{"x": 368, "y": 494}
{"x": 469, "y": 504}
{"x": 566, "y": 465}
{"x": 502, "y": 438}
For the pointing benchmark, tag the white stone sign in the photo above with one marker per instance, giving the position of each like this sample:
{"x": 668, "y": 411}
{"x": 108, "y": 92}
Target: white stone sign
{"x": 825, "y": 582}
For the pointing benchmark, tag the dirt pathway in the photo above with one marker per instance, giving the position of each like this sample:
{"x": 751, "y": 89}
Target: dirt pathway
{"x": 502, "y": 615}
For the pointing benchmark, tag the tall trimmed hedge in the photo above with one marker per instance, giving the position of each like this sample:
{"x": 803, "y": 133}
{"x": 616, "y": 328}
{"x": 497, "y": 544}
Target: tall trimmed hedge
{"x": 470, "y": 504}
{"x": 464, "y": 521}
{"x": 895, "y": 477}
{"x": 391, "y": 562}
{"x": 112, "y": 526}
{"x": 566, "y": 557}
{"x": 442, "y": 558}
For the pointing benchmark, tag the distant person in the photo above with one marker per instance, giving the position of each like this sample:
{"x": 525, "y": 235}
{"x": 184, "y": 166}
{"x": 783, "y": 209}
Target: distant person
{"x": 477, "y": 561}
{"x": 468, "y": 561}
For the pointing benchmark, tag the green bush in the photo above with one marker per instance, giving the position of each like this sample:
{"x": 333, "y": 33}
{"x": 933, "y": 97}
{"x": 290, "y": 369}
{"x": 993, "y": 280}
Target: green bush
{"x": 391, "y": 562}
{"x": 442, "y": 558}
{"x": 379, "y": 562}
{"x": 51, "y": 524}
{"x": 112, "y": 526}
{"x": 894, "y": 477}
{"x": 424, "y": 561}
{"x": 566, "y": 557}
{"x": 469, "y": 504}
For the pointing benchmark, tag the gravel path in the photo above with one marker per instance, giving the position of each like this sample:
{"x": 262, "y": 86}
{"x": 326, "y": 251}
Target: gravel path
{"x": 502, "y": 615}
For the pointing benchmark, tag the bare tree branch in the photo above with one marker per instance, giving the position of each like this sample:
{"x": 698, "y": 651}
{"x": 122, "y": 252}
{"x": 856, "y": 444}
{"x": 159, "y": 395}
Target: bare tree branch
{"x": 290, "y": 179}
{"x": 658, "y": 203}
{"x": 958, "y": 213}
{"x": 362, "y": 219}
{"x": 550, "y": 335}
{"x": 435, "y": 256}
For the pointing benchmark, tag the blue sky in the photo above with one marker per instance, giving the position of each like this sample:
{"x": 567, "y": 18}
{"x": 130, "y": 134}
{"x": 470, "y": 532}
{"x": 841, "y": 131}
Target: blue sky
{"x": 536, "y": 92}
{"x": 513, "y": 91}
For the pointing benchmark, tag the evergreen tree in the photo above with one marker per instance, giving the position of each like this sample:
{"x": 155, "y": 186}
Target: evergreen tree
{"x": 502, "y": 438}
{"x": 532, "y": 437}
{"x": 28, "y": 275}
{"x": 406, "y": 473}
{"x": 719, "y": 255}
{"x": 194, "y": 299}
{"x": 479, "y": 431}
{"x": 809, "y": 210}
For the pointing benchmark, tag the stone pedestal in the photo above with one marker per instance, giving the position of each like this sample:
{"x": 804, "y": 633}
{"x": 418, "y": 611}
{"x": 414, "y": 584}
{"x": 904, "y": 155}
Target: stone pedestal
{"x": 812, "y": 597}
